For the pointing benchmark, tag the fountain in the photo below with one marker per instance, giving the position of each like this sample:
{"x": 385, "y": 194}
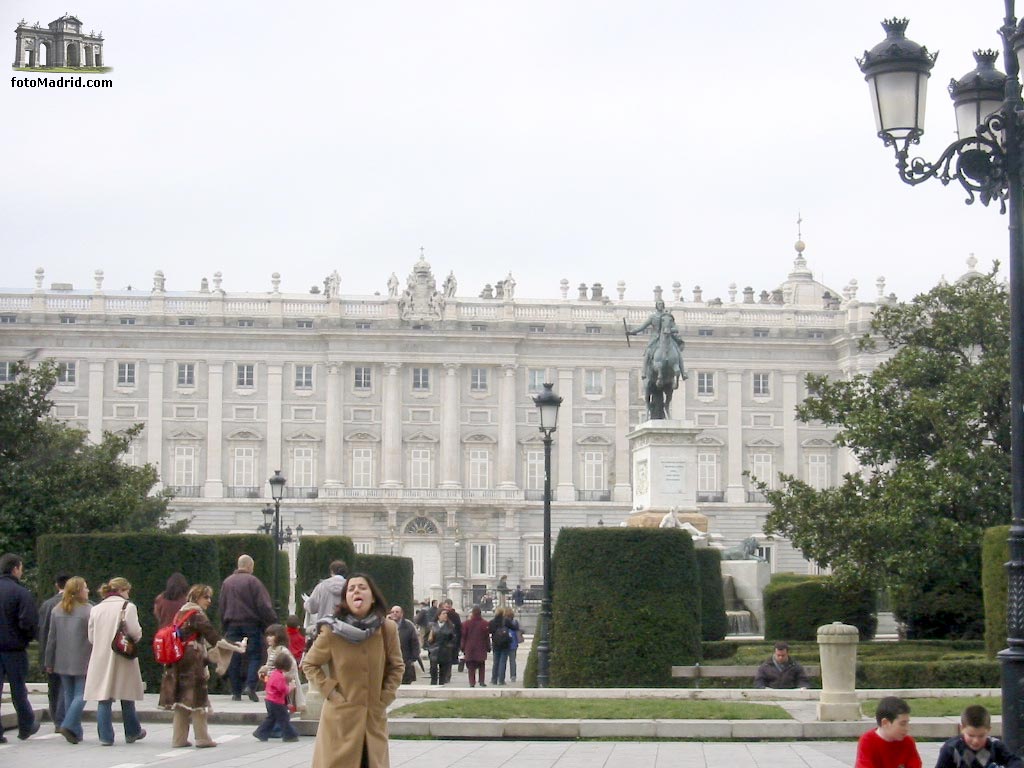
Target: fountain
{"x": 741, "y": 620}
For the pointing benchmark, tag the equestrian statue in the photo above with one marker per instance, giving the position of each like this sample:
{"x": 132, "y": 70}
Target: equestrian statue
{"x": 663, "y": 360}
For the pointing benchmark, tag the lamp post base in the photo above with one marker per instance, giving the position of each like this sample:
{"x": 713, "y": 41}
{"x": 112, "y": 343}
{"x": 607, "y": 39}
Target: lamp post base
{"x": 1011, "y": 662}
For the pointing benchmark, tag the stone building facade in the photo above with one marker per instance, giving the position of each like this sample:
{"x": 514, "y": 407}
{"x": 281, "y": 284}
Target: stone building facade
{"x": 60, "y": 44}
{"x": 406, "y": 420}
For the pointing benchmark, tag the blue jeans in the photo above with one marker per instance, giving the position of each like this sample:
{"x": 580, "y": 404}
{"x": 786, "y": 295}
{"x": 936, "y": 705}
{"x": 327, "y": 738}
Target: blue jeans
{"x": 14, "y": 669}
{"x": 72, "y": 688}
{"x": 498, "y": 665}
{"x": 512, "y": 663}
{"x": 105, "y": 721}
{"x": 243, "y": 672}
{"x": 278, "y": 717}
{"x": 54, "y": 699}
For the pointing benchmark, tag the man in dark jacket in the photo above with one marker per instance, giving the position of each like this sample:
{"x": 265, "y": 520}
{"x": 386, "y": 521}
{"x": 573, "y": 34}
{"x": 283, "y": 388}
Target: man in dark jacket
{"x": 780, "y": 671}
{"x": 55, "y": 703}
{"x": 245, "y": 611}
{"x": 19, "y": 622}
{"x": 409, "y": 641}
{"x": 455, "y": 619}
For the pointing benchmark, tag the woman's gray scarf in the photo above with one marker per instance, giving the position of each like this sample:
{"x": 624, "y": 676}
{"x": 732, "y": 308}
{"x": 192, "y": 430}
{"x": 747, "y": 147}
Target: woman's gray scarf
{"x": 352, "y": 629}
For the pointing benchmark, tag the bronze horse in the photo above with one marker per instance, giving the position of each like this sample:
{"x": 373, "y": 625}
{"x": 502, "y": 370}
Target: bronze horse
{"x": 663, "y": 375}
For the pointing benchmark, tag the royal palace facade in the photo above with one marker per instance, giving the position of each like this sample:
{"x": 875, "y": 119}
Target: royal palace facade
{"x": 406, "y": 421}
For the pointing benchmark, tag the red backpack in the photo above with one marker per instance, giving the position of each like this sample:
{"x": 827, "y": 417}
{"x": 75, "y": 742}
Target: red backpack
{"x": 168, "y": 647}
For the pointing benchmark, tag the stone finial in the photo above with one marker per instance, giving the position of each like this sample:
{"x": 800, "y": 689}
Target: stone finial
{"x": 204, "y": 286}
{"x": 581, "y": 291}
{"x": 853, "y": 289}
{"x": 275, "y": 282}
{"x": 748, "y": 295}
{"x": 972, "y": 263}
{"x": 677, "y": 288}
{"x": 97, "y": 277}
{"x": 620, "y": 287}
{"x": 698, "y": 293}
{"x": 158, "y": 281}
{"x": 217, "y": 280}
{"x": 732, "y": 293}
{"x": 597, "y": 292}
{"x": 563, "y": 286}
{"x": 880, "y": 284}
{"x": 40, "y": 276}
{"x": 657, "y": 293}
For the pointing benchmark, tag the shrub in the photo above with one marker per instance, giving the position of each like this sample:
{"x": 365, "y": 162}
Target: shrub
{"x": 145, "y": 559}
{"x": 713, "y": 623}
{"x": 946, "y": 603}
{"x": 393, "y": 575}
{"x": 624, "y": 607}
{"x": 316, "y": 553}
{"x": 995, "y": 552}
{"x": 530, "y": 672}
{"x": 958, "y": 673}
{"x": 796, "y": 605}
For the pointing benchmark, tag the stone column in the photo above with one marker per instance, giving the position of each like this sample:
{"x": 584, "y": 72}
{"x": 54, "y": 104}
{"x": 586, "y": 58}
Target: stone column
{"x": 564, "y": 438}
{"x": 214, "y": 486}
{"x": 790, "y": 449}
{"x": 391, "y": 417}
{"x": 155, "y": 419}
{"x": 622, "y": 491}
{"x": 333, "y": 470}
{"x": 449, "y": 459}
{"x": 837, "y": 645}
{"x": 275, "y": 384}
{"x": 96, "y": 386}
{"x": 507, "y": 428}
{"x": 734, "y": 490}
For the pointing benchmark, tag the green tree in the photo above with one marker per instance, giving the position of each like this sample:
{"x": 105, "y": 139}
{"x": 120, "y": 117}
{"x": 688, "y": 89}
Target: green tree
{"x": 53, "y": 480}
{"x": 930, "y": 426}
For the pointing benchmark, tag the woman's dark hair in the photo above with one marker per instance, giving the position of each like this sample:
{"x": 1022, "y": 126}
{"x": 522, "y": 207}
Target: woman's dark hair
{"x": 379, "y": 601}
{"x": 176, "y": 587}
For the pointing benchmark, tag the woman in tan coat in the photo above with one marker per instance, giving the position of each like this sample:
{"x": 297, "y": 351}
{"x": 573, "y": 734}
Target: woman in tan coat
{"x": 183, "y": 688}
{"x": 111, "y": 676}
{"x": 356, "y": 663}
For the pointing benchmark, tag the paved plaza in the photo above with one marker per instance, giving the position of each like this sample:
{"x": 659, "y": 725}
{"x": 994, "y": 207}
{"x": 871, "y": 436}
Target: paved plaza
{"x": 238, "y": 748}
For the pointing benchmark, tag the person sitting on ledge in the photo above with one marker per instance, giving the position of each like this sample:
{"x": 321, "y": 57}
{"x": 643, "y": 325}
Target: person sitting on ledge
{"x": 780, "y": 671}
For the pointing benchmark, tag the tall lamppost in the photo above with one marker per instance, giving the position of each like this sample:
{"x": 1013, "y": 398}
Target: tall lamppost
{"x": 277, "y": 483}
{"x": 986, "y": 161}
{"x": 547, "y": 403}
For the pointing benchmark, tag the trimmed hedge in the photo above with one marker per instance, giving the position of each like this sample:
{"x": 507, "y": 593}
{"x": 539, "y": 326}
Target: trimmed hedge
{"x": 714, "y": 625}
{"x": 796, "y": 605}
{"x": 393, "y": 575}
{"x": 316, "y": 553}
{"x": 957, "y": 673}
{"x": 260, "y": 547}
{"x": 995, "y": 553}
{"x": 530, "y": 671}
{"x": 145, "y": 559}
{"x": 947, "y": 601}
{"x": 624, "y": 607}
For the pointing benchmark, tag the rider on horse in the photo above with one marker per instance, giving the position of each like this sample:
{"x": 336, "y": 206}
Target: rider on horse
{"x": 661, "y": 320}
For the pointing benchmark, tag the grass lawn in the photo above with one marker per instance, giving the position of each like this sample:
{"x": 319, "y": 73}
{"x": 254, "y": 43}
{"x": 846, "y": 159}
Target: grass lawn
{"x": 593, "y": 709}
{"x": 950, "y": 706}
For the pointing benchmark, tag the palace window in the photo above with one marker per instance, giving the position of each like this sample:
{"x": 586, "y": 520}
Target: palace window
{"x": 760, "y": 333}
{"x": 244, "y": 467}
{"x": 534, "y": 470}
{"x": 302, "y": 468}
{"x": 762, "y": 385}
{"x": 305, "y": 324}
{"x": 593, "y": 471}
{"x": 303, "y": 376}
{"x": 535, "y": 561}
{"x": 593, "y": 381}
{"x": 362, "y": 378}
{"x": 245, "y": 375}
{"x": 421, "y": 379}
{"x": 419, "y": 468}
{"x": 535, "y": 379}
{"x": 7, "y": 371}
{"x": 362, "y": 467}
{"x": 479, "y": 469}
{"x": 66, "y": 373}
{"x": 817, "y": 471}
{"x": 184, "y": 465}
{"x": 707, "y": 472}
{"x": 478, "y": 380}
{"x": 186, "y": 374}
{"x": 126, "y": 374}
{"x": 761, "y": 469}
{"x": 482, "y": 560}
{"x": 127, "y": 321}
{"x": 246, "y": 323}
{"x": 705, "y": 383}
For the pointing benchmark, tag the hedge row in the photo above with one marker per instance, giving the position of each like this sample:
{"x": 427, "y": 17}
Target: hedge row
{"x": 392, "y": 575}
{"x": 714, "y": 625}
{"x": 796, "y": 605}
{"x": 316, "y": 553}
{"x": 995, "y": 552}
{"x": 625, "y": 607}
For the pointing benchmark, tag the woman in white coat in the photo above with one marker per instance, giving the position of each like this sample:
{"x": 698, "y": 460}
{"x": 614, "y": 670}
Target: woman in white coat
{"x": 111, "y": 676}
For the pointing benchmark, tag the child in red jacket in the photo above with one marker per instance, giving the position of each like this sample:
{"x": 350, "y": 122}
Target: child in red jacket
{"x": 277, "y": 702}
{"x": 296, "y": 640}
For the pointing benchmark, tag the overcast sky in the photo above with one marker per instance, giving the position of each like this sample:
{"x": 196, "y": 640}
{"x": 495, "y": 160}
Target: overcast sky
{"x": 597, "y": 141}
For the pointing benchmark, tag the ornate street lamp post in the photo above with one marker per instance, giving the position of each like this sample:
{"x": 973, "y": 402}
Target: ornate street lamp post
{"x": 547, "y": 403}
{"x": 986, "y": 161}
{"x": 277, "y": 483}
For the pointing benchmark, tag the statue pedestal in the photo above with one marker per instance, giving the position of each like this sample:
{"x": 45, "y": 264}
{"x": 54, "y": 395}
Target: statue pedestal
{"x": 664, "y": 456}
{"x": 837, "y": 644}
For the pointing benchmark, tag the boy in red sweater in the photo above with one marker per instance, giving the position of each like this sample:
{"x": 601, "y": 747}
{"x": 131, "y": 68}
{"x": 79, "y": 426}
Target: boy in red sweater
{"x": 277, "y": 702}
{"x": 889, "y": 745}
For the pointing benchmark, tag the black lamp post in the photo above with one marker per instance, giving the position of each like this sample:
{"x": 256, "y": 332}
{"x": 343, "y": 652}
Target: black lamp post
{"x": 547, "y": 403}
{"x": 277, "y": 483}
{"x": 986, "y": 161}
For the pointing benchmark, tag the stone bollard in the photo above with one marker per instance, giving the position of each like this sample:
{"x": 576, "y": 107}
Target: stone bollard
{"x": 314, "y": 703}
{"x": 837, "y": 644}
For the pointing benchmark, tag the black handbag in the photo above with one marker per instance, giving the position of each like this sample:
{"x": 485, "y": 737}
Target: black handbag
{"x": 122, "y": 644}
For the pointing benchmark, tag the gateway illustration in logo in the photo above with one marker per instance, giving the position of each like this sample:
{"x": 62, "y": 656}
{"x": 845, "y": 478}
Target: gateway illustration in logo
{"x": 60, "y": 44}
